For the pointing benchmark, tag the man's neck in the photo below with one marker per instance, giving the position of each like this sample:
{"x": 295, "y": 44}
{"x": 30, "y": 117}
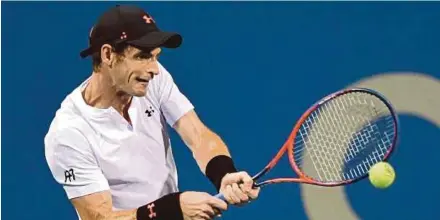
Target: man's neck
{"x": 100, "y": 93}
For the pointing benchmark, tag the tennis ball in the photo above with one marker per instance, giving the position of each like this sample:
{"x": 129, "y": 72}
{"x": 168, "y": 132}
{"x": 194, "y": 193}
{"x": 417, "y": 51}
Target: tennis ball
{"x": 381, "y": 175}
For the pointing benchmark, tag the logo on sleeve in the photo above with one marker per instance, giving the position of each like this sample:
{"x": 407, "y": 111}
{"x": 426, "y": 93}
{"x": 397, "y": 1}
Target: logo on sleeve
{"x": 69, "y": 175}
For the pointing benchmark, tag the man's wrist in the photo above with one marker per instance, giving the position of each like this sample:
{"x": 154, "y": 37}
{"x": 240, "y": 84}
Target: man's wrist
{"x": 165, "y": 208}
{"x": 217, "y": 168}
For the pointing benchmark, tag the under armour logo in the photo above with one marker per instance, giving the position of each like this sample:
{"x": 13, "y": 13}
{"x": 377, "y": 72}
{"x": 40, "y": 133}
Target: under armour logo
{"x": 149, "y": 112}
{"x": 123, "y": 36}
{"x": 150, "y": 208}
{"x": 148, "y": 19}
{"x": 69, "y": 175}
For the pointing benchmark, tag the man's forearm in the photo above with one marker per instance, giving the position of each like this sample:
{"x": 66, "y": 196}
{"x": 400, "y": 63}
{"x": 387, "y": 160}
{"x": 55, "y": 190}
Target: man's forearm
{"x": 209, "y": 150}
{"x": 98, "y": 213}
{"x": 210, "y": 146}
{"x": 214, "y": 158}
{"x": 167, "y": 207}
{"x": 123, "y": 215}
{"x": 98, "y": 206}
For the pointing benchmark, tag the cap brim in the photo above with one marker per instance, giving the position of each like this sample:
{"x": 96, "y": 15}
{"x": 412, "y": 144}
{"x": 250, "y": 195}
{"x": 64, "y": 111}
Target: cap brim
{"x": 158, "y": 39}
{"x": 86, "y": 52}
{"x": 150, "y": 40}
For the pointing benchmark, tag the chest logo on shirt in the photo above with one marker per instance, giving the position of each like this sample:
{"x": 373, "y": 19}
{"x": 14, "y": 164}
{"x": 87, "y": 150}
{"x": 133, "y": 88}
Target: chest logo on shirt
{"x": 149, "y": 111}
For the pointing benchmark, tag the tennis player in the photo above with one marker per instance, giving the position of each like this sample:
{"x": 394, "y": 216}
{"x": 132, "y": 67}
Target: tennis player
{"x": 108, "y": 144}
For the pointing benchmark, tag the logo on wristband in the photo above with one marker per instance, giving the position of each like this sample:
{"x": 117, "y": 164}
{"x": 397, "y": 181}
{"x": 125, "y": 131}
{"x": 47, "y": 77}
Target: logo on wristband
{"x": 152, "y": 213}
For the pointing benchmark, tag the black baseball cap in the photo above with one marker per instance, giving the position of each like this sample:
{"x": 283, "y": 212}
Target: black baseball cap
{"x": 131, "y": 25}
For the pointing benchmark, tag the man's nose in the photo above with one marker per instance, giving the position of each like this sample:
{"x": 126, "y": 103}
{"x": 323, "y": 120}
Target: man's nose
{"x": 154, "y": 72}
{"x": 153, "y": 69}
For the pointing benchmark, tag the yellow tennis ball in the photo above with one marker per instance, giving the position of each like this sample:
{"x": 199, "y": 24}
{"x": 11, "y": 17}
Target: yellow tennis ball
{"x": 381, "y": 175}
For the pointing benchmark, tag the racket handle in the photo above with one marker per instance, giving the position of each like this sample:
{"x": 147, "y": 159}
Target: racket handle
{"x": 220, "y": 196}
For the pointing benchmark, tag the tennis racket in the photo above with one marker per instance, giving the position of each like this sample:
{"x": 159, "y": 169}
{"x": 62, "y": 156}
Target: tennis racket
{"x": 338, "y": 139}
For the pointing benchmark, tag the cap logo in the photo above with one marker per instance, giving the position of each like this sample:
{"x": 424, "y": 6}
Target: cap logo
{"x": 123, "y": 35}
{"x": 148, "y": 19}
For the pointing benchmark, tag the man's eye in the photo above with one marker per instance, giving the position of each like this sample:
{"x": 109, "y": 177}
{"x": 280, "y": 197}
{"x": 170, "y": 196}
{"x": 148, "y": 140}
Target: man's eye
{"x": 144, "y": 56}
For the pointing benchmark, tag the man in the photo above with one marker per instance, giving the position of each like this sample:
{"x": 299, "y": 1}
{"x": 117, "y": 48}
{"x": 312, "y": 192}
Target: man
{"x": 108, "y": 144}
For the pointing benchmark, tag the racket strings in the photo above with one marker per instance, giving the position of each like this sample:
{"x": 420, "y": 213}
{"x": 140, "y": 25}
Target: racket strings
{"x": 344, "y": 137}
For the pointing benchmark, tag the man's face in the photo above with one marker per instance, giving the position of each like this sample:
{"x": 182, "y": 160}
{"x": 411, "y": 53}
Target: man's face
{"x": 134, "y": 69}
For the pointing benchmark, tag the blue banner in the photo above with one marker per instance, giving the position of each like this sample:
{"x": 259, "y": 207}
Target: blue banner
{"x": 251, "y": 69}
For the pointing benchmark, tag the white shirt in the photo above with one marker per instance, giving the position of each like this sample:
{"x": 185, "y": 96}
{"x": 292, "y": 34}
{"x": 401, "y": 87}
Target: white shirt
{"x": 90, "y": 150}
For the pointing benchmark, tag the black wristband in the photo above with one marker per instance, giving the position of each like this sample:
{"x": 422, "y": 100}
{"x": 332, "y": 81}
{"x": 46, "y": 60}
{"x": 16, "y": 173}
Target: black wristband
{"x": 165, "y": 208}
{"x": 217, "y": 168}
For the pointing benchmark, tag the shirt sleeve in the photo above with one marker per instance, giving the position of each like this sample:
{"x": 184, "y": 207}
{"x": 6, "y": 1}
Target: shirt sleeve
{"x": 73, "y": 164}
{"x": 173, "y": 103}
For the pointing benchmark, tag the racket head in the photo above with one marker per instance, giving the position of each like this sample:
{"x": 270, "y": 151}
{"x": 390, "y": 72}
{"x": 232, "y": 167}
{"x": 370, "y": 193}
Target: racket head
{"x": 340, "y": 137}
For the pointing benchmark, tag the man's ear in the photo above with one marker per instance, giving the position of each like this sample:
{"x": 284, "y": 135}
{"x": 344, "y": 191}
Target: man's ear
{"x": 107, "y": 55}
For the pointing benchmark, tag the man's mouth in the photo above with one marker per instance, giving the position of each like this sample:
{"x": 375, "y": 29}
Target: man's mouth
{"x": 139, "y": 79}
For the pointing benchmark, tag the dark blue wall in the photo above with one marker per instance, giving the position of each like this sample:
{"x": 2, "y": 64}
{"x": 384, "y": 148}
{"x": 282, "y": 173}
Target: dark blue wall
{"x": 250, "y": 69}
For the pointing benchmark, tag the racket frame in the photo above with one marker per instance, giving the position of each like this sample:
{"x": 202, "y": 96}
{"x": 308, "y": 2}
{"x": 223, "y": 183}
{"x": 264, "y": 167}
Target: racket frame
{"x": 302, "y": 178}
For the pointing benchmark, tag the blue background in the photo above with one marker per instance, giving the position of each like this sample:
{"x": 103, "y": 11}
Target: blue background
{"x": 250, "y": 69}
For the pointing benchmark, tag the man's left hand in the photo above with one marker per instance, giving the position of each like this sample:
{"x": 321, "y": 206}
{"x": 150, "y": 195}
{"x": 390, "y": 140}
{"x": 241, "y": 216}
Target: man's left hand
{"x": 237, "y": 188}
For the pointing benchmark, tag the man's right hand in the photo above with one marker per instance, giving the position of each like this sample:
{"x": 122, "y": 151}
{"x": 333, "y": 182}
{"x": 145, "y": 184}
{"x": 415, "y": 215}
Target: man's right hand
{"x": 201, "y": 206}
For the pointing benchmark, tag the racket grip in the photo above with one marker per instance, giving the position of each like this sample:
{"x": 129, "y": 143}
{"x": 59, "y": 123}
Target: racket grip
{"x": 220, "y": 196}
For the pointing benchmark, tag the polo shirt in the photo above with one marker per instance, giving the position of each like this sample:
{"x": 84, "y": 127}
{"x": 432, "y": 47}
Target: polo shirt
{"x": 89, "y": 150}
